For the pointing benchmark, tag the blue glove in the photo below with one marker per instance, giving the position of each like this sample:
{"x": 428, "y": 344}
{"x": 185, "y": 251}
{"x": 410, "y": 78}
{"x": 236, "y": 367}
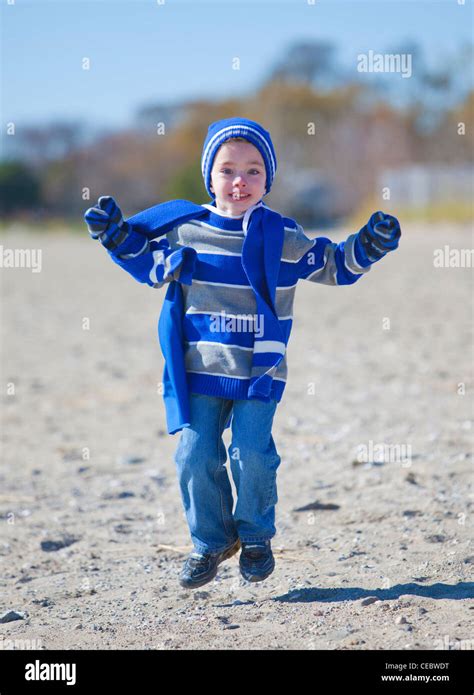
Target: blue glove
{"x": 105, "y": 222}
{"x": 380, "y": 235}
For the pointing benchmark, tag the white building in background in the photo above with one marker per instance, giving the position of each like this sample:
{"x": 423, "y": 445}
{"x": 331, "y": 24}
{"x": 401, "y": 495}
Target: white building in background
{"x": 425, "y": 184}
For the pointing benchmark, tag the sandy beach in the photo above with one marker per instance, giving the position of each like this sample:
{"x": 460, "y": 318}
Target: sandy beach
{"x": 374, "y": 520}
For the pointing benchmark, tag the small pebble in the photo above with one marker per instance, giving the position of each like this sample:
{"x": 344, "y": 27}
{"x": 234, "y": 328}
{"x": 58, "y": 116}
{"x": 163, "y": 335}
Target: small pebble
{"x": 201, "y": 594}
{"x": 10, "y": 616}
{"x": 130, "y": 460}
{"x": 370, "y": 599}
{"x": 51, "y": 546}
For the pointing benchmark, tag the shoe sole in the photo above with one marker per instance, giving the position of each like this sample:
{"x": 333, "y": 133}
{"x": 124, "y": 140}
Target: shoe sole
{"x": 256, "y": 577}
{"x": 225, "y": 556}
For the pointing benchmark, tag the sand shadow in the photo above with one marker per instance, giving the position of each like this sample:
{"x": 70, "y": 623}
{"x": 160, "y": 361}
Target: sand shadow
{"x": 458, "y": 591}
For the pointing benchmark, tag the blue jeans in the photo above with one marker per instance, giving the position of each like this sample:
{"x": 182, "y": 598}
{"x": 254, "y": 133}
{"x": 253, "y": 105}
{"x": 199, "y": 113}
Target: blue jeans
{"x": 205, "y": 486}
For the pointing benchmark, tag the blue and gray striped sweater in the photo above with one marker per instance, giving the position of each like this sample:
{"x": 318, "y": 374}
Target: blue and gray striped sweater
{"x": 220, "y": 322}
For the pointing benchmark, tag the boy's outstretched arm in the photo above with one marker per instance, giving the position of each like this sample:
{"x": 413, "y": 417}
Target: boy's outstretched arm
{"x": 330, "y": 263}
{"x": 150, "y": 262}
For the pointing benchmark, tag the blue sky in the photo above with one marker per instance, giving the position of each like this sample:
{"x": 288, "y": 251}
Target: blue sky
{"x": 145, "y": 52}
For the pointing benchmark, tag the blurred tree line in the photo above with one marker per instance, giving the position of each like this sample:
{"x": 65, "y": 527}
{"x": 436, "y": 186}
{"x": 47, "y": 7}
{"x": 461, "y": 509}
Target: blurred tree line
{"x": 333, "y": 130}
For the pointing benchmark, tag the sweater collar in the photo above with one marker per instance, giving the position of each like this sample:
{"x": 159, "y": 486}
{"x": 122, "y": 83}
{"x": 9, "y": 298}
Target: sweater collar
{"x": 230, "y": 222}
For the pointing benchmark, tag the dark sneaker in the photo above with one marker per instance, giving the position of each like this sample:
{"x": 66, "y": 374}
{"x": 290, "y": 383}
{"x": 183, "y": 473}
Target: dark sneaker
{"x": 256, "y": 561}
{"x": 201, "y": 568}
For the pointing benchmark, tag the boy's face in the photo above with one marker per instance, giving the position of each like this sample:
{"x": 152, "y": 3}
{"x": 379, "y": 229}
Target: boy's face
{"x": 238, "y": 177}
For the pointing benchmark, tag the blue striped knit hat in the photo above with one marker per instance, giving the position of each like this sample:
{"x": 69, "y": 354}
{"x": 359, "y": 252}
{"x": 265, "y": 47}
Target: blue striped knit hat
{"x": 223, "y": 130}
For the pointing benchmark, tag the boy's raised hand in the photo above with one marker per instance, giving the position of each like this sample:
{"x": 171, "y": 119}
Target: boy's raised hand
{"x": 105, "y": 222}
{"x": 382, "y": 232}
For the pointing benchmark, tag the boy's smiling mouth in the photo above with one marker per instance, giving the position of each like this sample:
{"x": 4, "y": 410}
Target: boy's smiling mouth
{"x": 239, "y": 196}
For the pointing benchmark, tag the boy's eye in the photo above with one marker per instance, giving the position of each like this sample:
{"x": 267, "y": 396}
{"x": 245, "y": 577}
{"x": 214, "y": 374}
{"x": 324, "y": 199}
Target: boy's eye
{"x": 229, "y": 171}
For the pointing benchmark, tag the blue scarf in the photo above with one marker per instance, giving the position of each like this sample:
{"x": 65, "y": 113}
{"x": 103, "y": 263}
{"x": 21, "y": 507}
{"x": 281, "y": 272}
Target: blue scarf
{"x": 261, "y": 255}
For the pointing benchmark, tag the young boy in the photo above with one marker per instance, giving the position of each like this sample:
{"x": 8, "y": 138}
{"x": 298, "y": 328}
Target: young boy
{"x": 232, "y": 266}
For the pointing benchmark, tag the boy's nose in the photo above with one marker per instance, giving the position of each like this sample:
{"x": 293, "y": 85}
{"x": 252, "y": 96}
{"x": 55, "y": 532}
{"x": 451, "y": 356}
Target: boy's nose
{"x": 239, "y": 180}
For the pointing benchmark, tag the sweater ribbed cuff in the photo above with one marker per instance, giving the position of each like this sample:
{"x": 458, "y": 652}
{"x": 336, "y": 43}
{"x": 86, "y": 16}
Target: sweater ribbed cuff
{"x": 134, "y": 243}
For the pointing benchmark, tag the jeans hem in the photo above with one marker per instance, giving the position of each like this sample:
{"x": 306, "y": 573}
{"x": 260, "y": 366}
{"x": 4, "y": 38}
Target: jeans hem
{"x": 205, "y": 549}
{"x": 247, "y": 539}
